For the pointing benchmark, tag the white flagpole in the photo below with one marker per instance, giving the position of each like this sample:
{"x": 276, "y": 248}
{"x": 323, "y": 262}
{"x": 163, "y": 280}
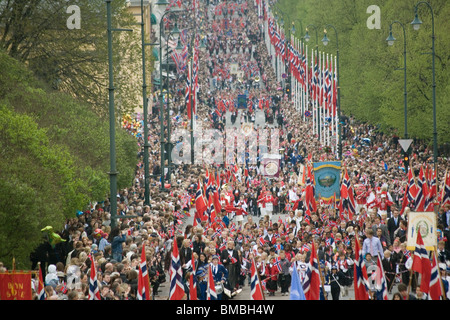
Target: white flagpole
{"x": 313, "y": 111}
{"x": 336, "y": 117}
{"x": 300, "y": 86}
{"x": 305, "y": 105}
{"x": 320, "y": 100}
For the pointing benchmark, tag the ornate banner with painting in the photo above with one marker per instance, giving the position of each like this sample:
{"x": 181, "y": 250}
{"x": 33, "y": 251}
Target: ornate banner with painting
{"x": 426, "y": 222}
{"x": 327, "y": 179}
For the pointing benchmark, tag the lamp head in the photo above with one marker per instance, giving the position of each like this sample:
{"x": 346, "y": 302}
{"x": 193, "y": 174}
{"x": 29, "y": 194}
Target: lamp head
{"x": 175, "y": 31}
{"x": 325, "y": 39}
{"x": 390, "y": 40}
{"x": 306, "y": 37}
{"x": 416, "y": 22}
{"x": 179, "y": 46}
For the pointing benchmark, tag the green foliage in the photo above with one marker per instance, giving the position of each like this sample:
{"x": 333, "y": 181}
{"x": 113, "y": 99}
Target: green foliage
{"x": 75, "y": 61}
{"x": 54, "y": 159}
{"x": 371, "y": 86}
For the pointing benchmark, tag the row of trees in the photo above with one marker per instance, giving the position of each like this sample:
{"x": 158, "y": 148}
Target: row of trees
{"x": 54, "y": 144}
{"x": 75, "y": 61}
{"x": 371, "y": 84}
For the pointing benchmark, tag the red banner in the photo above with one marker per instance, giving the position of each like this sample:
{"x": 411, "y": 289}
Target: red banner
{"x": 15, "y": 285}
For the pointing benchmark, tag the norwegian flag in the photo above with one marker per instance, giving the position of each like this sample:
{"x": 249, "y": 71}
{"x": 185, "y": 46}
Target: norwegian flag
{"x": 347, "y": 201}
{"x": 41, "y": 291}
{"x": 222, "y": 246}
{"x": 143, "y": 280}
{"x": 421, "y": 263}
{"x": 311, "y": 285}
{"x": 200, "y": 205}
{"x": 211, "y": 293}
{"x": 94, "y": 292}
{"x": 445, "y": 197}
{"x": 176, "y": 291}
{"x": 380, "y": 281}
{"x": 316, "y": 81}
{"x": 407, "y": 253}
{"x": 215, "y": 234}
{"x": 278, "y": 264}
{"x": 188, "y": 99}
{"x": 412, "y": 188}
{"x": 431, "y": 181}
{"x": 256, "y": 292}
{"x": 233, "y": 260}
{"x": 360, "y": 278}
{"x": 261, "y": 241}
{"x": 422, "y": 191}
{"x": 435, "y": 280}
{"x": 211, "y": 210}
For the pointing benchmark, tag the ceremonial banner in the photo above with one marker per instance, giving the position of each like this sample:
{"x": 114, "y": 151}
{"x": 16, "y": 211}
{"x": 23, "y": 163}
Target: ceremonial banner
{"x": 242, "y": 101}
{"x": 426, "y": 222}
{"x": 327, "y": 179}
{"x": 15, "y": 285}
{"x": 270, "y": 166}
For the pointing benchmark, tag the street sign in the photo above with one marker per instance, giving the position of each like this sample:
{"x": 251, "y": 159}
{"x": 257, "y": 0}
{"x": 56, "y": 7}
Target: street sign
{"x": 405, "y": 143}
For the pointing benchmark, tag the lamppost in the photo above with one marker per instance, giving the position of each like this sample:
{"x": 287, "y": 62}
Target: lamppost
{"x": 175, "y": 32}
{"x": 163, "y": 4}
{"x": 112, "y": 120}
{"x": 293, "y": 30}
{"x": 145, "y": 110}
{"x": 390, "y": 40}
{"x": 307, "y": 38}
{"x": 416, "y": 25}
{"x": 325, "y": 42}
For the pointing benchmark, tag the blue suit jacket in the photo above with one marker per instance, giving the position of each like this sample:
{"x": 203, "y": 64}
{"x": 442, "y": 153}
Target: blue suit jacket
{"x": 220, "y": 274}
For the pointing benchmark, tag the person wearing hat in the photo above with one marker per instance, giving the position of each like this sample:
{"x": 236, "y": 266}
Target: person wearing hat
{"x": 219, "y": 273}
{"x": 231, "y": 261}
{"x": 335, "y": 285}
{"x": 202, "y": 283}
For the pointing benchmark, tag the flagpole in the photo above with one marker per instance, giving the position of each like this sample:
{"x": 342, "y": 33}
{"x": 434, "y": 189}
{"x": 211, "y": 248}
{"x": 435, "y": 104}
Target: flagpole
{"x": 260, "y": 283}
{"x": 321, "y": 277}
{"x": 444, "y": 297}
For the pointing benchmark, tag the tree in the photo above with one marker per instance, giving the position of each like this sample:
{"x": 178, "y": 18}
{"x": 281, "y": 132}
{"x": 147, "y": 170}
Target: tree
{"x": 371, "y": 85}
{"x": 54, "y": 159}
{"x": 74, "y": 60}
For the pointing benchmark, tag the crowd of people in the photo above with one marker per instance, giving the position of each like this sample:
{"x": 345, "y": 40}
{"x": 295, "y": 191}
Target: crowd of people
{"x": 243, "y": 230}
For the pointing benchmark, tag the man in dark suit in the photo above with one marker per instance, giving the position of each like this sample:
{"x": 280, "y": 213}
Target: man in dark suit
{"x": 384, "y": 230}
{"x": 393, "y": 223}
{"x": 219, "y": 273}
{"x": 389, "y": 266}
{"x": 445, "y": 217}
{"x": 230, "y": 260}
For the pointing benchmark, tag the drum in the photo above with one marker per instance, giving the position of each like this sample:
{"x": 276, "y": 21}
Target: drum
{"x": 219, "y": 288}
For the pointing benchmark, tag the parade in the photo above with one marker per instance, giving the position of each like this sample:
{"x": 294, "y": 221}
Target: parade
{"x": 275, "y": 205}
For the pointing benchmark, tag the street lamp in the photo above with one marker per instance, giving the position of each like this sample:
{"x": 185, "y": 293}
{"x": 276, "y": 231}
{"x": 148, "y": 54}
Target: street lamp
{"x": 293, "y": 30}
{"x": 325, "y": 42}
{"x": 416, "y": 25}
{"x": 307, "y": 37}
{"x": 161, "y": 111}
{"x": 390, "y": 40}
{"x": 112, "y": 120}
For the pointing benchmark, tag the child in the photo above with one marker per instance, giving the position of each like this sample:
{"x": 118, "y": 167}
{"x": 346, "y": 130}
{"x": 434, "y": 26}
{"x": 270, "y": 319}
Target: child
{"x": 285, "y": 276}
{"x": 272, "y": 276}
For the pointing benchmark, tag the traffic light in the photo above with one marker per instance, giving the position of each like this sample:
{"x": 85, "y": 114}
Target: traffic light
{"x": 406, "y": 161}
{"x": 288, "y": 89}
